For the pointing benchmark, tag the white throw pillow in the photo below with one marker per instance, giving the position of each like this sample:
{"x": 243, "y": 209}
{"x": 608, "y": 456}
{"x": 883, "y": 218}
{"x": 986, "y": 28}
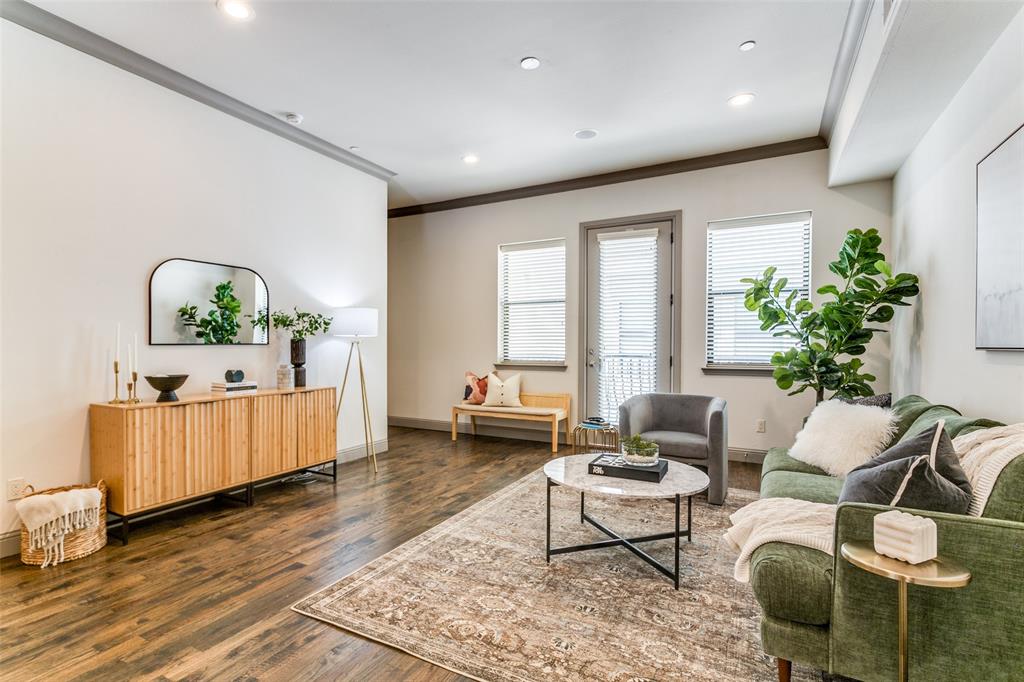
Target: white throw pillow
{"x": 839, "y": 436}
{"x": 502, "y": 393}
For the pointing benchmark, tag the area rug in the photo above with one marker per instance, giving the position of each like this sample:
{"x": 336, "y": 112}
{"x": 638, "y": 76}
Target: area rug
{"x": 474, "y": 595}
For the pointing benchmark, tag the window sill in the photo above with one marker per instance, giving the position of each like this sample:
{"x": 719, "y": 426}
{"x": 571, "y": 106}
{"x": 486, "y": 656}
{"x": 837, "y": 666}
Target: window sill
{"x": 740, "y": 370}
{"x": 533, "y": 364}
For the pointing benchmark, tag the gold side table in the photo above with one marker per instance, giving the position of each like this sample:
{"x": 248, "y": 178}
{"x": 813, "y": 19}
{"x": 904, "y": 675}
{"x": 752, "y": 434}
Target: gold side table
{"x": 605, "y": 439}
{"x": 938, "y": 572}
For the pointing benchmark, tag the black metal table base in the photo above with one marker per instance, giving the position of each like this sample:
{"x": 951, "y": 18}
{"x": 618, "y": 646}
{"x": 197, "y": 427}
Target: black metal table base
{"x": 620, "y": 541}
{"x": 247, "y": 498}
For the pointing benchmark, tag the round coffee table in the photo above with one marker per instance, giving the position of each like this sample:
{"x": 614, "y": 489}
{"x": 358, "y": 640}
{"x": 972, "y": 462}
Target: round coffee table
{"x": 680, "y": 481}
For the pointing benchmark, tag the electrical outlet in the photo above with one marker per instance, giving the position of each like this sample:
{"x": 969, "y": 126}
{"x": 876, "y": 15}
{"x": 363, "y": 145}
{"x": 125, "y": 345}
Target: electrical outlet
{"x": 760, "y": 425}
{"x": 16, "y": 488}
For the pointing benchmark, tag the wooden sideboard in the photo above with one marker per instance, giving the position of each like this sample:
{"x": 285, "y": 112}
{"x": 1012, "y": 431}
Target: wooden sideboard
{"x": 156, "y": 455}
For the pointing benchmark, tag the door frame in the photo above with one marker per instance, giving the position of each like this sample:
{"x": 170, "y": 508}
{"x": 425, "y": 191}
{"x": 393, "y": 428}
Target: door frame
{"x": 675, "y": 220}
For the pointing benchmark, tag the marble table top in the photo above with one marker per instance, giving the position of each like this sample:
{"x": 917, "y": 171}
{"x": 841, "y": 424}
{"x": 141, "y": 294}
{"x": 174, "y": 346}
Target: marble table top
{"x": 571, "y": 472}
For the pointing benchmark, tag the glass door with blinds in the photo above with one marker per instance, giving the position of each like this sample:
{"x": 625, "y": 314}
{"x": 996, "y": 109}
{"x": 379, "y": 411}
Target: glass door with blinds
{"x": 629, "y": 284}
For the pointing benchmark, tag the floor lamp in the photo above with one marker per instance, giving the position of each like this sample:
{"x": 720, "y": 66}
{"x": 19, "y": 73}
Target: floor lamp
{"x": 356, "y": 324}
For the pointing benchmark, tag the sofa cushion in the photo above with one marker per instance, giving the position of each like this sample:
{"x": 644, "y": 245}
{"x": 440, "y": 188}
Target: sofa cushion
{"x": 778, "y": 459}
{"x": 801, "y": 486}
{"x": 679, "y": 443}
{"x": 792, "y": 582}
{"x": 511, "y": 411}
{"x": 909, "y": 408}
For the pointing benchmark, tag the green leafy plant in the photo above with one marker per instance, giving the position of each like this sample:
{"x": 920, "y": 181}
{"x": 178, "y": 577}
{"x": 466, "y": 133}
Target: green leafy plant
{"x": 838, "y": 328}
{"x": 221, "y": 323}
{"x": 640, "y": 447}
{"x": 300, "y": 323}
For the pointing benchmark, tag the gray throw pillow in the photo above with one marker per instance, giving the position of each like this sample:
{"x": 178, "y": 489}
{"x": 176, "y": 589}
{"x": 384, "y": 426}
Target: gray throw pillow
{"x": 922, "y": 472}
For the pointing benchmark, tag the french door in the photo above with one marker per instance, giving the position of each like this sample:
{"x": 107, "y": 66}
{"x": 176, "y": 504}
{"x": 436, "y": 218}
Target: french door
{"x": 628, "y": 314}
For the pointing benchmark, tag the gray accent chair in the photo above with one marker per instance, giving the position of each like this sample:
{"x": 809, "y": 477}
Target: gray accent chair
{"x": 690, "y": 428}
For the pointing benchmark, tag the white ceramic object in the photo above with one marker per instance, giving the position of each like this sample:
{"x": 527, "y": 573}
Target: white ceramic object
{"x": 905, "y": 537}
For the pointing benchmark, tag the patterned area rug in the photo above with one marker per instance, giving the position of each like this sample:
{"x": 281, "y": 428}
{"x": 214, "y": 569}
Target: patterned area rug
{"x": 474, "y": 595}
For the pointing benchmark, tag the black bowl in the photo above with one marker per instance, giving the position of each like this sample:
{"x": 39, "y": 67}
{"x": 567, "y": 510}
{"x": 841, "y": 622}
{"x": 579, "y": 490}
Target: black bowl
{"x": 167, "y": 384}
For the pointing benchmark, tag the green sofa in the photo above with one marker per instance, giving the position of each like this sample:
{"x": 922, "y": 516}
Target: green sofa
{"x": 822, "y": 612}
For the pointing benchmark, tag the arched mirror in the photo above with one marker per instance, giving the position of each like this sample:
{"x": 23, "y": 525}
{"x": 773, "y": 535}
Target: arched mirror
{"x": 198, "y": 303}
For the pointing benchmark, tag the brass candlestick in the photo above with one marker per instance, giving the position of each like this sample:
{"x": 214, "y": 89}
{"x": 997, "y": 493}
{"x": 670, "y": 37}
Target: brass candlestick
{"x": 133, "y": 389}
{"x": 117, "y": 385}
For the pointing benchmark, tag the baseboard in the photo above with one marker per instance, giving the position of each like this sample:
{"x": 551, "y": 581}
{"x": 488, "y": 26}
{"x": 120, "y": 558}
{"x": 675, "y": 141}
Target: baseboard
{"x": 751, "y": 455}
{"x": 483, "y": 428}
{"x": 10, "y": 543}
{"x": 359, "y": 451}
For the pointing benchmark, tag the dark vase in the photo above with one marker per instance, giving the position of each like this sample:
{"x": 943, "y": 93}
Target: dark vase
{"x": 298, "y": 361}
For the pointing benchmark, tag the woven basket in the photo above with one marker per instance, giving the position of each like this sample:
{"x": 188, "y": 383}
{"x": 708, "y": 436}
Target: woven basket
{"x": 77, "y": 544}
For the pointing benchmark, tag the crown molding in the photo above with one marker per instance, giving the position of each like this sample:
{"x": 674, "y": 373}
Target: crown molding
{"x": 768, "y": 151}
{"x": 63, "y": 31}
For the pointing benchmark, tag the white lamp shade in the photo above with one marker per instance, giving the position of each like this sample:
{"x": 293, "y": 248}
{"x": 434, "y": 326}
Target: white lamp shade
{"x": 355, "y": 322}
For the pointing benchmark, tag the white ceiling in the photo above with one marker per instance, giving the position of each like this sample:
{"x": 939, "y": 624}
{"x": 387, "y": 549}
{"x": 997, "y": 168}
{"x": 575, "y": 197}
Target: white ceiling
{"x": 416, "y": 85}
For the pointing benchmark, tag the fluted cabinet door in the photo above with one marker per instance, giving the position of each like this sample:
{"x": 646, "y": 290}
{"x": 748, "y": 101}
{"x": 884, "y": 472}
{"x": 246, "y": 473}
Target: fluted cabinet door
{"x": 273, "y": 435}
{"x": 156, "y": 472}
{"x": 217, "y": 444}
{"x": 316, "y": 424}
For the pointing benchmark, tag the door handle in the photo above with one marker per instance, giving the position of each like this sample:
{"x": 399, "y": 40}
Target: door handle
{"x": 591, "y": 358}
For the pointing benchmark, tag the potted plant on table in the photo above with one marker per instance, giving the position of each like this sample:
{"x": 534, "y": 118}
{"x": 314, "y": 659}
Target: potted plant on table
{"x": 838, "y": 327}
{"x": 302, "y": 325}
{"x": 637, "y": 450}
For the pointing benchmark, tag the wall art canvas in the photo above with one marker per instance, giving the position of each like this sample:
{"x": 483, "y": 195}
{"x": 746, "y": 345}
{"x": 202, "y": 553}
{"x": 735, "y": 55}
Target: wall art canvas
{"x": 1000, "y": 307}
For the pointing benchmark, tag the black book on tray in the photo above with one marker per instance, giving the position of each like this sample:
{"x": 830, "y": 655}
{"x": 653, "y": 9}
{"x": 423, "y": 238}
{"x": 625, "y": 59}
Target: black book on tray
{"x": 612, "y": 464}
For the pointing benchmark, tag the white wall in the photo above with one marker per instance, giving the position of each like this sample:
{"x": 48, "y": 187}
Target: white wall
{"x": 934, "y": 229}
{"x": 105, "y": 175}
{"x": 443, "y": 281}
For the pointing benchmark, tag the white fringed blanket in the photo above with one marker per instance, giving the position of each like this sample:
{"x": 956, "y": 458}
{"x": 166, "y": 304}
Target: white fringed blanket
{"x": 983, "y": 455}
{"x": 49, "y": 518}
{"x": 779, "y": 519}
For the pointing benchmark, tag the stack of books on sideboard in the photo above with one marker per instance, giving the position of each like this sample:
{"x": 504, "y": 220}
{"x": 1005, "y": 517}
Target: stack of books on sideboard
{"x": 233, "y": 388}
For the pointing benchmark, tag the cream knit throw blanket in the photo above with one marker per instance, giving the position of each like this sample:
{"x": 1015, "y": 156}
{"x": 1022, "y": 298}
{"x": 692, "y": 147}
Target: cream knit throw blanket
{"x": 983, "y": 455}
{"x": 779, "y": 519}
{"x": 49, "y": 518}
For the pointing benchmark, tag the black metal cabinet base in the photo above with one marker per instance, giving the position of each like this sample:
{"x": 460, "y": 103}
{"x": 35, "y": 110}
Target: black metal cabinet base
{"x": 620, "y": 541}
{"x": 248, "y": 498}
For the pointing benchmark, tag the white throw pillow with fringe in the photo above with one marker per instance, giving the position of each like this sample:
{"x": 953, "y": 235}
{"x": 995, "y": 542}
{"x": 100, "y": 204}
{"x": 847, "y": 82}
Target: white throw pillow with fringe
{"x": 839, "y": 436}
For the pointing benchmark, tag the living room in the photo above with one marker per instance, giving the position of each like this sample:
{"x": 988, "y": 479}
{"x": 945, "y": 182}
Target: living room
{"x": 761, "y": 261}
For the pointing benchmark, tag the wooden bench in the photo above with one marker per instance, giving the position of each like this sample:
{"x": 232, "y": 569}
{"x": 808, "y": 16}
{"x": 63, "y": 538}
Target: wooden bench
{"x": 537, "y": 407}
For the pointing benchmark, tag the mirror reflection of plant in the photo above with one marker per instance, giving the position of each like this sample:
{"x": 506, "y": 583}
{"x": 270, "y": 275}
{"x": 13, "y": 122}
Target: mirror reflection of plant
{"x": 869, "y": 292}
{"x": 221, "y": 323}
{"x": 301, "y": 324}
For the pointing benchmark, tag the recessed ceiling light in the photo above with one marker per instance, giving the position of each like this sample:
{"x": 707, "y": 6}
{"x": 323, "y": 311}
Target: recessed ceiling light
{"x": 470, "y": 159}
{"x": 741, "y": 100}
{"x": 585, "y": 134}
{"x": 747, "y": 46}
{"x": 529, "y": 63}
{"x": 353, "y": 148}
{"x": 236, "y": 9}
{"x": 293, "y": 118}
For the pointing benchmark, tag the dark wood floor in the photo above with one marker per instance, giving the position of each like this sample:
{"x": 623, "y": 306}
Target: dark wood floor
{"x": 205, "y": 592}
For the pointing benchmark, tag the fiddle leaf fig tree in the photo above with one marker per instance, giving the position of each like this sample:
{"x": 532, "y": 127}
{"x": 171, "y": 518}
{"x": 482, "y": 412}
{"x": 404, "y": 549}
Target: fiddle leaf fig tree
{"x": 829, "y": 338}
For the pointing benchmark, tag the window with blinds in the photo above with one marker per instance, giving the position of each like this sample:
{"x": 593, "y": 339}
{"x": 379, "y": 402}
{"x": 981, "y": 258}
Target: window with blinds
{"x": 531, "y": 302}
{"x": 628, "y": 318}
{"x": 745, "y": 247}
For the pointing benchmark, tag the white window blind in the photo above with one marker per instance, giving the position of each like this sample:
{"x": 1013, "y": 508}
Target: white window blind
{"x": 628, "y": 310}
{"x": 531, "y": 293}
{"x": 745, "y": 248}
